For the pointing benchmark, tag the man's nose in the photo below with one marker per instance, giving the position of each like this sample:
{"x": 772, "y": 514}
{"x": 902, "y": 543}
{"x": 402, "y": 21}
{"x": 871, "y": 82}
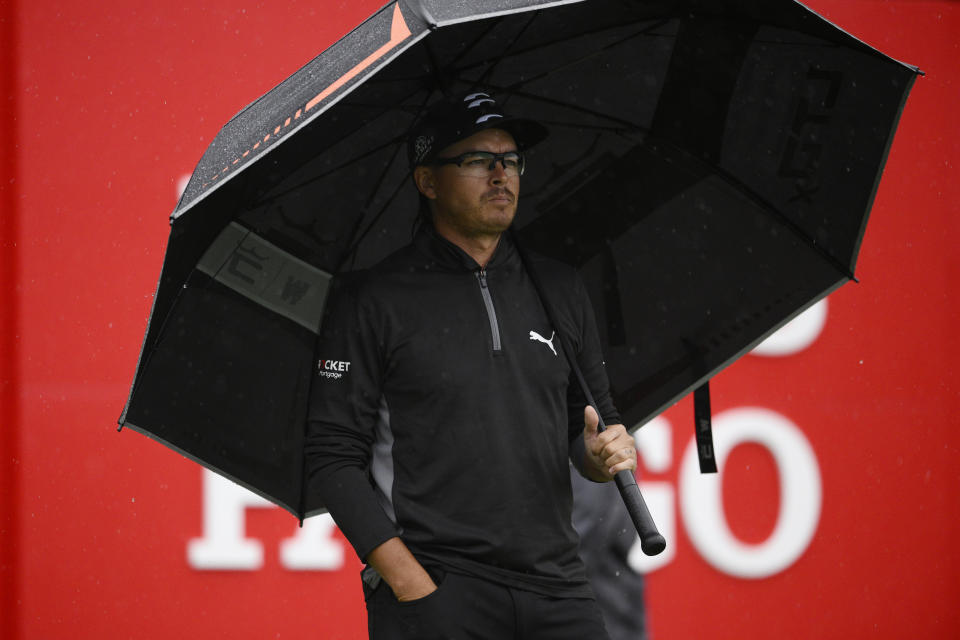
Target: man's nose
{"x": 498, "y": 174}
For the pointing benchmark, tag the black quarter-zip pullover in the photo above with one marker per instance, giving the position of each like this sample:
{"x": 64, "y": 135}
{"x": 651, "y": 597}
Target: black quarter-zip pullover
{"x": 452, "y": 424}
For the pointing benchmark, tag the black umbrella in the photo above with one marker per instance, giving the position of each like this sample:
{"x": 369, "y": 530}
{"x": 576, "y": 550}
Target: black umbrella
{"x": 710, "y": 171}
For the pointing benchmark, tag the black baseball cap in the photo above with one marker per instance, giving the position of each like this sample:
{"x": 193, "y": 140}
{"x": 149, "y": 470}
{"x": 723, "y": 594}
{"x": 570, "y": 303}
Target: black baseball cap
{"x": 460, "y": 117}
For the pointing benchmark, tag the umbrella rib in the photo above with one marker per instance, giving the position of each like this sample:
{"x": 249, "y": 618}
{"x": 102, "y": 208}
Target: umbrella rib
{"x": 418, "y": 115}
{"x": 476, "y": 41}
{"x": 274, "y": 195}
{"x": 513, "y": 89}
{"x": 763, "y": 203}
{"x": 506, "y": 51}
{"x": 558, "y": 103}
{"x": 585, "y": 57}
{"x": 770, "y": 208}
{"x": 621, "y": 130}
{"x": 383, "y": 175}
{"x": 350, "y": 253}
{"x": 402, "y": 106}
{"x": 645, "y": 31}
{"x": 436, "y": 68}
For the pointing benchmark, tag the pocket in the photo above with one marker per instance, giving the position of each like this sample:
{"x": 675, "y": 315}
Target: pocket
{"x": 440, "y": 579}
{"x": 430, "y": 617}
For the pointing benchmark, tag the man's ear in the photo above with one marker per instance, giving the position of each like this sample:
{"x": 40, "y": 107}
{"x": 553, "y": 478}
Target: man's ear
{"x": 423, "y": 178}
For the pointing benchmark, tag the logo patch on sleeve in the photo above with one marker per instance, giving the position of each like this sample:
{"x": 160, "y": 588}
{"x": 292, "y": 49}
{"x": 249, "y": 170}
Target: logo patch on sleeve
{"x": 334, "y": 369}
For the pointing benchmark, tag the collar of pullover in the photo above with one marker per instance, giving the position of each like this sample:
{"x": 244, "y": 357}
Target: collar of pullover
{"x": 449, "y": 256}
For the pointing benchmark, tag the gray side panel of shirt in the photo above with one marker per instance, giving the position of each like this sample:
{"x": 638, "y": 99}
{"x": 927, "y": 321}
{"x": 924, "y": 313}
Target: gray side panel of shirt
{"x": 381, "y": 463}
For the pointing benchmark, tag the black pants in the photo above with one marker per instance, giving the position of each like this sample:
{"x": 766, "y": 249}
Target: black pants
{"x": 468, "y": 608}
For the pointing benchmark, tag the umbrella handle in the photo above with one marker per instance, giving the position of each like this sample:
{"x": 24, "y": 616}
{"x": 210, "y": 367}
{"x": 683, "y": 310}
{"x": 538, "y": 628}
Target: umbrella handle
{"x": 651, "y": 541}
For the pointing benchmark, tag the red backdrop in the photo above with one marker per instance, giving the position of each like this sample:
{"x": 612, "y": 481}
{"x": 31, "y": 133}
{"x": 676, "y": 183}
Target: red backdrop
{"x": 108, "y": 105}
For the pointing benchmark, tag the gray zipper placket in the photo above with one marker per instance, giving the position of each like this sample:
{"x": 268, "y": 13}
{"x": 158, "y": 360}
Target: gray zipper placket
{"x": 491, "y": 312}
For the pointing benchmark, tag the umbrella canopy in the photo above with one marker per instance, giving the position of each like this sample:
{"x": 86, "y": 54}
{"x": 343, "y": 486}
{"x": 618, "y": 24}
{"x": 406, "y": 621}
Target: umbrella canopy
{"x": 710, "y": 170}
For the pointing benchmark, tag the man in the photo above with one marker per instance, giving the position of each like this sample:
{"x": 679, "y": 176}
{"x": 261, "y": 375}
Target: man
{"x": 442, "y": 450}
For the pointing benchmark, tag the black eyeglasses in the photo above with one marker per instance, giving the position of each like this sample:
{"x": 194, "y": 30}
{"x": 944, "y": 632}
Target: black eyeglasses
{"x": 481, "y": 163}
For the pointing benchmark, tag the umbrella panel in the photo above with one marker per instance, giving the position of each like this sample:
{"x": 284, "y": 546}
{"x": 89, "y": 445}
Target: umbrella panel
{"x": 668, "y": 312}
{"x": 205, "y": 380}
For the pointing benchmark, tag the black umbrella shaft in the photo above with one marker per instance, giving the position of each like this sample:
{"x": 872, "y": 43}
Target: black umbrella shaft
{"x": 651, "y": 541}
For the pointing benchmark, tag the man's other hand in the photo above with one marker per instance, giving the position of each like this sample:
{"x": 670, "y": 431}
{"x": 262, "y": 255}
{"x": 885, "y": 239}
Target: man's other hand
{"x": 401, "y": 570}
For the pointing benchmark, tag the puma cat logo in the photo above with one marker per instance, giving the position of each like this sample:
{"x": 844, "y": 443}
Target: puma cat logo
{"x": 539, "y": 338}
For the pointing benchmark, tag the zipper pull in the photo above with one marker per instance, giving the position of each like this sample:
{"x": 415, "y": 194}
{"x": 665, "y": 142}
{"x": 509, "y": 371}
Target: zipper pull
{"x": 482, "y": 277}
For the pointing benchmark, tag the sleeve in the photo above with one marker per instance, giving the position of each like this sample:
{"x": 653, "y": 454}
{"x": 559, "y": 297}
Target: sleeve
{"x": 590, "y": 359}
{"x": 344, "y": 402}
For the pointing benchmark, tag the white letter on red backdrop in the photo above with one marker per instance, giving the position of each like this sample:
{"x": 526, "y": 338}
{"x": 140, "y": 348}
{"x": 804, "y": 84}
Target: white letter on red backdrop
{"x": 800, "y": 495}
{"x": 313, "y": 548}
{"x": 796, "y": 335}
{"x": 224, "y": 545}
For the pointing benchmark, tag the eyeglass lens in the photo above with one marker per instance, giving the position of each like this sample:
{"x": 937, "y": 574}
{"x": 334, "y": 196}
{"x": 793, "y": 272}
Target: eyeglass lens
{"x": 480, "y": 163}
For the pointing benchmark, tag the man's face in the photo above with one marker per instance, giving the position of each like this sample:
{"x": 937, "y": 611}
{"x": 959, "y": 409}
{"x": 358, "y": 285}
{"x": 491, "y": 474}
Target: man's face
{"x": 469, "y": 204}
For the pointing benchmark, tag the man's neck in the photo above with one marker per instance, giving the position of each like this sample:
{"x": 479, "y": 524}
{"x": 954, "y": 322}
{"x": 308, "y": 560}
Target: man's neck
{"x": 478, "y": 247}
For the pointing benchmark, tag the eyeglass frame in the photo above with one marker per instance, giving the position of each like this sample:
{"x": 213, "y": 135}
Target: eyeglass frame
{"x": 459, "y": 160}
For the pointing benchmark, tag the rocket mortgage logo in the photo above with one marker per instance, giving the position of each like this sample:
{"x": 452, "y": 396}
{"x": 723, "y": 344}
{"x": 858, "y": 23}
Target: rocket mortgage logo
{"x": 333, "y": 368}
